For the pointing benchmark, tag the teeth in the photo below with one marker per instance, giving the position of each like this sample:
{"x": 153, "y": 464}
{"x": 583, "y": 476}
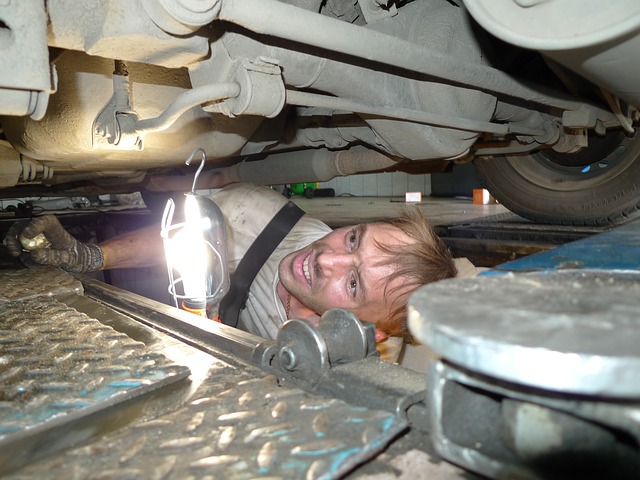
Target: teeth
{"x": 305, "y": 269}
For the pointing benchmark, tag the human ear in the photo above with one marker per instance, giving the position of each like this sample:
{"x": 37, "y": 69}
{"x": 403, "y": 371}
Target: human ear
{"x": 380, "y": 335}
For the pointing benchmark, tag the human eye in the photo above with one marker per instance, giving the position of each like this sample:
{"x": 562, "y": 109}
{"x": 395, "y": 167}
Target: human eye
{"x": 353, "y": 286}
{"x": 352, "y": 238}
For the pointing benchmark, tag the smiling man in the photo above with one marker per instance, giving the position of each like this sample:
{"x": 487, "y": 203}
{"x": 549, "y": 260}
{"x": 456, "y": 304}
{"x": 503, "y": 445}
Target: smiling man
{"x": 369, "y": 269}
{"x": 359, "y": 268}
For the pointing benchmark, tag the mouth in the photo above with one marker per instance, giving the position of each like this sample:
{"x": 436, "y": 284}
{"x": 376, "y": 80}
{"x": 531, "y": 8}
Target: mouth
{"x": 305, "y": 269}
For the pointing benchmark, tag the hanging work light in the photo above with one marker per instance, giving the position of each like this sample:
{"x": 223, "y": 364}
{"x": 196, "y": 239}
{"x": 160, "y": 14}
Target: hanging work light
{"x": 196, "y": 252}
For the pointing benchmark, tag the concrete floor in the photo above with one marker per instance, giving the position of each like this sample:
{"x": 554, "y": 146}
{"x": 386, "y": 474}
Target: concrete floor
{"x": 348, "y": 210}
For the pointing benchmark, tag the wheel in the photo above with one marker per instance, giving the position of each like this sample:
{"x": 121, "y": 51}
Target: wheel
{"x": 308, "y": 192}
{"x": 599, "y": 185}
{"x": 286, "y": 192}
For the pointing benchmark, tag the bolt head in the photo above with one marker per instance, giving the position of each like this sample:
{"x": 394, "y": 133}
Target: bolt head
{"x": 287, "y": 358}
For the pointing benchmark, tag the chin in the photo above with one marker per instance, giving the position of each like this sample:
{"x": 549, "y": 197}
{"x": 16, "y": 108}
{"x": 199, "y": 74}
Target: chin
{"x": 313, "y": 320}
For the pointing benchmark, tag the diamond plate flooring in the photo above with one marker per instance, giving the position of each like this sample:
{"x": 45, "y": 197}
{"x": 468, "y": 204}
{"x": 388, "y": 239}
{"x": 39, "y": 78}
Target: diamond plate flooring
{"x": 58, "y": 365}
{"x": 36, "y": 282}
{"x": 64, "y": 375}
{"x": 254, "y": 429}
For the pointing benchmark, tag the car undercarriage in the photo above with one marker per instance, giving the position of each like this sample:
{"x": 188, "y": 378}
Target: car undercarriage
{"x": 112, "y": 96}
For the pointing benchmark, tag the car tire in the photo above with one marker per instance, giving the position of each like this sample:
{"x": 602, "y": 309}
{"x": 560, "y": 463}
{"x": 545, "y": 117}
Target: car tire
{"x": 600, "y": 185}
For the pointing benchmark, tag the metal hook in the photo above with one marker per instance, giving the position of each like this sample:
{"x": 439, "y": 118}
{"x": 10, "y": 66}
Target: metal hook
{"x": 191, "y": 157}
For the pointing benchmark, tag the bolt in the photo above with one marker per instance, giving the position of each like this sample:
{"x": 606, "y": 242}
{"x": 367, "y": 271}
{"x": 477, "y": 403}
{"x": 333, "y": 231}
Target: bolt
{"x": 287, "y": 358}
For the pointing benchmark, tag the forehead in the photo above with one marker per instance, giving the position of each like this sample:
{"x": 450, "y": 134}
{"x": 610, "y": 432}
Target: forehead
{"x": 376, "y": 270}
{"x": 381, "y": 234}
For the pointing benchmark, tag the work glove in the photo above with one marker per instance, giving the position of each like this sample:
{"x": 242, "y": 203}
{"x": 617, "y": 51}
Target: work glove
{"x": 59, "y": 248}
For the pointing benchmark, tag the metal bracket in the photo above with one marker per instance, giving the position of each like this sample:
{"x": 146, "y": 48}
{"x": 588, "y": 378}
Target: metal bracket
{"x": 116, "y": 118}
{"x": 572, "y": 140}
{"x": 26, "y": 77}
{"x": 304, "y": 353}
{"x": 338, "y": 357}
{"x": 262, "y": 90}
{"x": 505, "y": 431}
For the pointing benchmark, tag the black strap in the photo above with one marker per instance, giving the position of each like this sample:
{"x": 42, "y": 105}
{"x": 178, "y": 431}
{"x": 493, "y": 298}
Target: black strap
{"x": 258, "y": 253}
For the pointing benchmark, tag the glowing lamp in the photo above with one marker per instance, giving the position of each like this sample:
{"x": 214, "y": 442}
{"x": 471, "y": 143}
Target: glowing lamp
{"x": 196, "y": 253}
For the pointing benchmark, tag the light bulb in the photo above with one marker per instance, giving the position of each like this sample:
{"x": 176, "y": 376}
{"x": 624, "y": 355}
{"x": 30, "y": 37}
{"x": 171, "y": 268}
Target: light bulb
{"x": 196, "y": 255}
{"x": 193, "y": 262}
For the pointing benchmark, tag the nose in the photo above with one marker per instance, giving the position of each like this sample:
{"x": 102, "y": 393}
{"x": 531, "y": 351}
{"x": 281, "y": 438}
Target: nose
{"x": 331, "y": 261}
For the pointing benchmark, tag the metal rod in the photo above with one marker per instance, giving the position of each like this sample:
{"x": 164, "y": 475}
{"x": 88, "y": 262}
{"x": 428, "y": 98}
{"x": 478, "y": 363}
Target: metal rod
{"x": 417, "y": 116}
{"x": 204, "y": 334}
{"x": 185, "y": 101}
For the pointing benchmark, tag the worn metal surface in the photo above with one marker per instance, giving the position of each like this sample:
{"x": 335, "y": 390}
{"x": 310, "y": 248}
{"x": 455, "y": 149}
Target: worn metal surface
{"x": 378, "y": 384}
{"x": 88, "y": 398}
{"x": 30, "y": 283}
{"x": 59, "y": 366}
{"x": 586, "y": 36}
{"x": 566, "y": 331}
{"x": 209, "y": 336}
{"x": 492, "y": 240}
{"x": 539, "y": 376}
{"x": 618, "y": 249}
{"x": 250, "y": 429}
{"x": 506, "y": 431}
{"x": 570, "y": 325}
{"x": 447, "y": 63}
{"x": 305, "y": 353}
{"x": 25, "y": 74}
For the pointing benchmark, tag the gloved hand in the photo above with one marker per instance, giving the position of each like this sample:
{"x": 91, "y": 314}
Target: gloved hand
{"x": 63, "y": 250}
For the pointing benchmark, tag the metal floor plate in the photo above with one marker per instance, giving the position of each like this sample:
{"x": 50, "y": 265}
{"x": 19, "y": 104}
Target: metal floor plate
{"x": 63, "y": 375}
{"x": 35, "y": 282}
{"x": 255, "y": 429}
{"x": 58, "y": 365}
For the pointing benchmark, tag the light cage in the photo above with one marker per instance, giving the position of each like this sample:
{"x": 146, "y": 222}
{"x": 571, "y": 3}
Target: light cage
{"x": 196, "y": 255}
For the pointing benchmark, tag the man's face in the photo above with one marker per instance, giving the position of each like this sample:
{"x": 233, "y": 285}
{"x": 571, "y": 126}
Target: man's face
{"x": 343, "y": 270}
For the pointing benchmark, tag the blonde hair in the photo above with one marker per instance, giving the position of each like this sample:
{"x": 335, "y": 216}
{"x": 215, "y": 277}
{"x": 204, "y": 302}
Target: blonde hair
{"x": 427, "y": 259}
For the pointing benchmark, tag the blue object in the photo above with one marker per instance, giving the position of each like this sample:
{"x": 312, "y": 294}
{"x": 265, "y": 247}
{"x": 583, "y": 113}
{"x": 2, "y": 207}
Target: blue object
{"x": 617, "y": 249}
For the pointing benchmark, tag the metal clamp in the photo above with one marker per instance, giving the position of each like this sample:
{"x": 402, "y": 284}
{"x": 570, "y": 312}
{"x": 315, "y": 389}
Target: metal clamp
{"x": 262, "y": 90}
{"x": 305, "y": 353}
{"x": 181, "y": 17}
